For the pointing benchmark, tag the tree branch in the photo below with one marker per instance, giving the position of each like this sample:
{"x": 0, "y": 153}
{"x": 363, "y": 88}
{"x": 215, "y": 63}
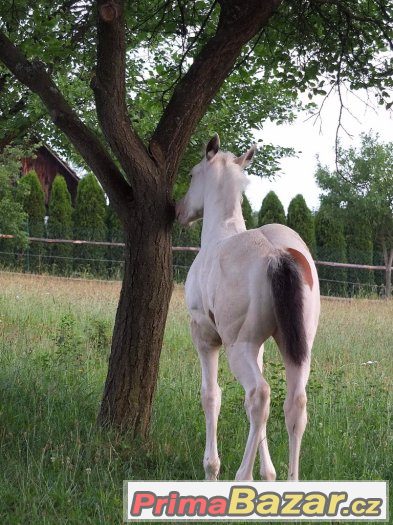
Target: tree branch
{"x": 239, "y": 21}
{"x": 34, "y": 75}
{"x": 109, "y": 89}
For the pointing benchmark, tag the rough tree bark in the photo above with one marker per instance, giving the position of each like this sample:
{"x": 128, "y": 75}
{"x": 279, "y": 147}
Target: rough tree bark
{"x": 140, "y": 184}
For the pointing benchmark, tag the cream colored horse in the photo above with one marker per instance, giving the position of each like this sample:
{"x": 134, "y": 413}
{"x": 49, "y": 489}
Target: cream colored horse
{"x": 243, "y": 287}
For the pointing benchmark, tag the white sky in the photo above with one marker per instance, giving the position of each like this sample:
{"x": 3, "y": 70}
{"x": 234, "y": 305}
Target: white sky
{"x": 297, "y": 173}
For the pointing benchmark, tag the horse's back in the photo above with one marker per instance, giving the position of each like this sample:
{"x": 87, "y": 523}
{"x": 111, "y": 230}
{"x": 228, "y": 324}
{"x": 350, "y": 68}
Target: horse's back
{"x": 282, "y": 237}
{"x": 229, "y": 282}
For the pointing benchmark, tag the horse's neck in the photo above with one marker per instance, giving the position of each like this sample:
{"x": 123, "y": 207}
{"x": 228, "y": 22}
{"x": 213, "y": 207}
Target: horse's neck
{"x": 222, "y": 217}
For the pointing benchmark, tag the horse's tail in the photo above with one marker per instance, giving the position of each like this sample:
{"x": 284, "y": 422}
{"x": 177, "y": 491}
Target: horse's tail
{"x": 287, "y": 290}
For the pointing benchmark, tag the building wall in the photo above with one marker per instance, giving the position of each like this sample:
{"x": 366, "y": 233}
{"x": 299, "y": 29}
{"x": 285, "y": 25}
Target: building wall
{"x": 47, "y": 167}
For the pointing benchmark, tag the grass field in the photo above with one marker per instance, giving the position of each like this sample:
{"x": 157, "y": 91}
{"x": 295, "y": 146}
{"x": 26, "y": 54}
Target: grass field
{"x": 57, "y": 467}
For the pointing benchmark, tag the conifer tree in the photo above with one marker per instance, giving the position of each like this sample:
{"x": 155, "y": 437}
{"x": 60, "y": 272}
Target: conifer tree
{"x": 359, "y": 238}
{"x": 331, "y": 246}
{"x": 34, "y": 207}
{"x": 301, "y": 220}
{"x": 272, "y": 210}
{"x": 13, "y": 218}
{"x": 60, "y": 226}
{"x": 362, "y": 187}
{"x": 185, "y": 236}
{"x": 34, "y": 204}
{"x": 114, "y": 255}
{"x": 89, "y": 224}
{"x": 247, "y": 213}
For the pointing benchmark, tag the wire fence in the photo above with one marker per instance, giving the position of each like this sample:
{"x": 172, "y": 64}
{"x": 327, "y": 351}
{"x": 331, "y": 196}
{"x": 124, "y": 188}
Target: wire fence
{"x": 105, "y": 260}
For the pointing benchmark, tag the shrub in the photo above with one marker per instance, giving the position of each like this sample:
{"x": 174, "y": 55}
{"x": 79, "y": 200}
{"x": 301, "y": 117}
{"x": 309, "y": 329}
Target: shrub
{"x": 359, "y": 238}
{"x": 331, "y": 246}
{"x": 247, "y": 213}
{"x": 33, "y": 200}
{"x": 115, "y": 233}
{"x": 272, "y": 210}
{"x": 60, "y": 226}
{"x": 301, "y": 220}
{"x": 89, "y": 224}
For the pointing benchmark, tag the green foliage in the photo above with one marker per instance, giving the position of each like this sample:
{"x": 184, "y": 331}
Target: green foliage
{"x": 185, "y": 236}
{"x": 306, "y": 46}
{"x": 363, "y": 187}
{"x": 378, "y": 260}
{"x": 60, "y": 210}
{"x": 359, "y": 237}
{"x": 331, "y": 246}
{"x": 272, "y": 210}
{"x": 301, "y": 220}
{"x": 90, "y": 224}
{"x": 100, "y": 334}
{"x": 67, "y": 342}
{"x": 60, "y": 226}
{"x": 318, "y": 46}
{"x": 34, "y": 206}
{"x": 247, "y": 213}
{"x": 13, "y": 218}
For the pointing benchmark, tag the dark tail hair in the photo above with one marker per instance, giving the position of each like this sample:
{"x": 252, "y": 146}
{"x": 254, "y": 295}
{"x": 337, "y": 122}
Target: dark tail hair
{"x": 287, "y": 288}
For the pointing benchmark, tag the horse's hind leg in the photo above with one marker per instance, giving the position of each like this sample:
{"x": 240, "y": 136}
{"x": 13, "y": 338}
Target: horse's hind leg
{"x": 243, "y": 360}
{"x": 208, "y": 353}
{"x": 295, "y": 408}
{"x": 267, "y": 469}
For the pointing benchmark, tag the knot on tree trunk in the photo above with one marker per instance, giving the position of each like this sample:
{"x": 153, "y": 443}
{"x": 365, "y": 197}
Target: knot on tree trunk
{"x": 109, "y": 11}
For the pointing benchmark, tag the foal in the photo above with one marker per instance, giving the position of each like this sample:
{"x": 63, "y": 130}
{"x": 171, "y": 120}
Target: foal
{"x": 243, "y": 287}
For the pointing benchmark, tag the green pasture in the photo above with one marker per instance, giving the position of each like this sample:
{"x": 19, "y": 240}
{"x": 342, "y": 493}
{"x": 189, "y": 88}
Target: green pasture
{"x": 57, "y": 467}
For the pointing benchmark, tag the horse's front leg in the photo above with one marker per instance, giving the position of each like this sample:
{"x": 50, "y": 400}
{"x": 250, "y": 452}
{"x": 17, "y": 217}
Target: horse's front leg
{"x": 211, "y": 399}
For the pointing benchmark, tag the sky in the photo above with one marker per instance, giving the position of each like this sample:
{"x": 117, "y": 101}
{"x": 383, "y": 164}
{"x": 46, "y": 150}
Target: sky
{"x": 314, "y": 139}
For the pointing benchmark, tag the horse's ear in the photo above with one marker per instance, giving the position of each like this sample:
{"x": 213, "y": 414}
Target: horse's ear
{"x": 247, "y": 157}
{"x": 213, "y": 146}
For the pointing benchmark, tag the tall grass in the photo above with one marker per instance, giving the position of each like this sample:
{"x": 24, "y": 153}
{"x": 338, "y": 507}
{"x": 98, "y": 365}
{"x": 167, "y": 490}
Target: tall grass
{"x": 58, "y": 467}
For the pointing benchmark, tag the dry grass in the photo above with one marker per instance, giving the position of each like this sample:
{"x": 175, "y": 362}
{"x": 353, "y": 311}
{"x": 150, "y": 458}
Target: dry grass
{"x": 95, "y": 289}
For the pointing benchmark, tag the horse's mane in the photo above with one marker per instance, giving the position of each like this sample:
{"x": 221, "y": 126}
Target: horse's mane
{"x": 232, "y": 171}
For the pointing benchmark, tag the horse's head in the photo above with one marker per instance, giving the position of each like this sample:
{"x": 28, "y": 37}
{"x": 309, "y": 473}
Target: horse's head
{"x": 190, "y": 207}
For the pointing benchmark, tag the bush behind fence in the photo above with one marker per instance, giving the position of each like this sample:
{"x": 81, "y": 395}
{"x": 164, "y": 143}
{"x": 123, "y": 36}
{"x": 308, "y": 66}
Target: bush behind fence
{"x": 105, "y": 260}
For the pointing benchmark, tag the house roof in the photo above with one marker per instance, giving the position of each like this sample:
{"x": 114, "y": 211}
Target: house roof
{"x": 58, "y": 159}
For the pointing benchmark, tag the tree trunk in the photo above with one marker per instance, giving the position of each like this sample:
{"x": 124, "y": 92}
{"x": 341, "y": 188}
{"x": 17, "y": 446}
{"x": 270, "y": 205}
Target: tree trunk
{"x": 140, "y": 321}
{"x": 139, "y": 182}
